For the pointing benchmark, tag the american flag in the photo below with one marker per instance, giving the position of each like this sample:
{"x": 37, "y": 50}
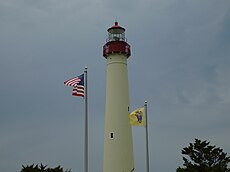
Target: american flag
{"x": 78, "y": 85}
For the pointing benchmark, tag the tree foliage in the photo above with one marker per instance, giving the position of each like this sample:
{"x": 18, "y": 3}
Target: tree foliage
{"x": 204, "y": 158}
{"x": 42, "y": 168}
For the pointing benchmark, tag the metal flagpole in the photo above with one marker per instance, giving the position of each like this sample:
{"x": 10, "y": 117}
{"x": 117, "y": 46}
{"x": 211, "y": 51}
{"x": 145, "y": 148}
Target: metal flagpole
{"x": 86, "y": 123}
{"x": 147, "y": 139}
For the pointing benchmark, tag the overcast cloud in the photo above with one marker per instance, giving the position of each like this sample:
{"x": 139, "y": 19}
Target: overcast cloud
{"x": 179, "y": 64}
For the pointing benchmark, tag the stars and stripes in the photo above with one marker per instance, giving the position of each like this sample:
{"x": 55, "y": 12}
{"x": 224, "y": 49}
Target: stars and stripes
{"x": 78, "y": 85}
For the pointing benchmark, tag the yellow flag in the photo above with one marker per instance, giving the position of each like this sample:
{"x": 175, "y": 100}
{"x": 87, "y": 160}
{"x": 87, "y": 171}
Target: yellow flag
{"x": 137, "y": 117}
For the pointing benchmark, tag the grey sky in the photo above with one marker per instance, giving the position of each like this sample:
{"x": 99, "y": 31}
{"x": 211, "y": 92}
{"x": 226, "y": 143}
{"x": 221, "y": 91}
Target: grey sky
{"x": 179, "y": 64}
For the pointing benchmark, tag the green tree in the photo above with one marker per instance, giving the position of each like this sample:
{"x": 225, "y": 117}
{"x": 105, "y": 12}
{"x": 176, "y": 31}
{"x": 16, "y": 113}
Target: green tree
{"x": 42, "y": 168}
{"x": 203, "y": 157}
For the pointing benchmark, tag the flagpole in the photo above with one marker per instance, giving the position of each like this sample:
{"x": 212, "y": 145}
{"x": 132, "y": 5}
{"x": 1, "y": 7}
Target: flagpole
{"x": 86, "y": 123}
{"x": 147, "y": 139}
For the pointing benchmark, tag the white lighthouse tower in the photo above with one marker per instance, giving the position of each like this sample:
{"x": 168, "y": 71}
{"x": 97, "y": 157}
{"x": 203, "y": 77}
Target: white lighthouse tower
{"x": 118, "y": 146}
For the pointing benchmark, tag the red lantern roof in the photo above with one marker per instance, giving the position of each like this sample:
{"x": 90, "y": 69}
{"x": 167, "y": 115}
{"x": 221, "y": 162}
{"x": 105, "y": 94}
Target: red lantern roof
{"x": 116, "y": 26}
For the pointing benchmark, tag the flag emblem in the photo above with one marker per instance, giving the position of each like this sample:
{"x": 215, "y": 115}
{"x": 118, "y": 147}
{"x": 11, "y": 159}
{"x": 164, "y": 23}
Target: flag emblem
{"x": 78, "y": 85}
{"x": 137, "y": 117}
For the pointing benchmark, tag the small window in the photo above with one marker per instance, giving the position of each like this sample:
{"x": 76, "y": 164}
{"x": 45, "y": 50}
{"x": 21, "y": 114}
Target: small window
{"x": 111, "y": 135}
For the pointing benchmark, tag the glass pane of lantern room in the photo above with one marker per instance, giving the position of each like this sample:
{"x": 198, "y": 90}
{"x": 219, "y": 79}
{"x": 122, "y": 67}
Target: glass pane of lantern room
{"x": 116, "y": 36}
{"x": 110, "y": 37}
{"x": 122, "y": 36}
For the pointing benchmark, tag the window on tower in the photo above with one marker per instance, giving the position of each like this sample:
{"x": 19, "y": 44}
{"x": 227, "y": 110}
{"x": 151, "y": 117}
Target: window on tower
{"x": 111, "y": 135}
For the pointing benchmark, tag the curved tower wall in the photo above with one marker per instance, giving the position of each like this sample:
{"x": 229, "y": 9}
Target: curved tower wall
{"x": 118, "y": 146}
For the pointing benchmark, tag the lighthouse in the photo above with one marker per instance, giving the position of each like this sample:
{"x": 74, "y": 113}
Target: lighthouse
{"x": 118, "y": 145}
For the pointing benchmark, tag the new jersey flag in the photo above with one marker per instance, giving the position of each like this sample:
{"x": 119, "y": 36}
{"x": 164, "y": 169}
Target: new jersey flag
{"x": 137, "y": 117}
{"x": 78, "y": 85}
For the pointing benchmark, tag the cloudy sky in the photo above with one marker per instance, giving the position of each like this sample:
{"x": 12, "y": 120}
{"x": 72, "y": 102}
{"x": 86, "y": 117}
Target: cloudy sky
{"x": 179, "y": 64}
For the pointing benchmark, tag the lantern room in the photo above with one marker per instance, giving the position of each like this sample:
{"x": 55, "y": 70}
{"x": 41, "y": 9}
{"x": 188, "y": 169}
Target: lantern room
{"x": 116, "y": 41}
{"x": 116, "y": 33}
